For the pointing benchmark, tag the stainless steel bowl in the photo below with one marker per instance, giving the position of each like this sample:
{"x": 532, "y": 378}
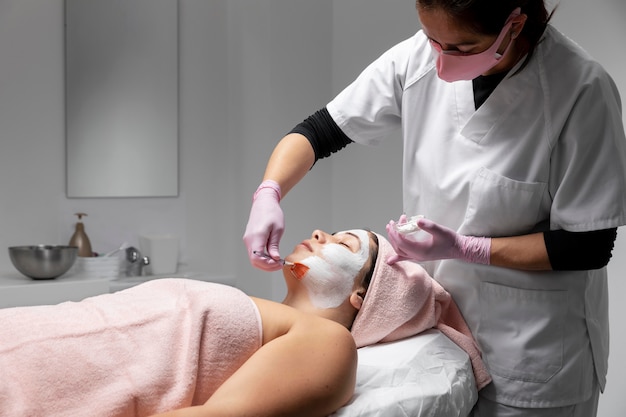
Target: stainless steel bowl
{"x": 43, "y": 261}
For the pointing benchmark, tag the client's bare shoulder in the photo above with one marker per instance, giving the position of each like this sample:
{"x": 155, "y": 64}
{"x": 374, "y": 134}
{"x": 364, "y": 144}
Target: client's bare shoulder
{"x": 279, "y": 319}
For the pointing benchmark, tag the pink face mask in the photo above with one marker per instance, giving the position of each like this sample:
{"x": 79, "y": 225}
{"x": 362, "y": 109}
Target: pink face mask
{"x": 455, "y": 65}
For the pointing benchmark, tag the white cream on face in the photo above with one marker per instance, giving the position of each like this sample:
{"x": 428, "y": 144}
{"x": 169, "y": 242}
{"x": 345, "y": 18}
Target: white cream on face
{"x": 330, "y": 277}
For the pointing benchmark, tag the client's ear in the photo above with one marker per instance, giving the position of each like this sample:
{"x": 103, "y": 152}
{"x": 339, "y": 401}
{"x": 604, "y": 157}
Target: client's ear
{"x": 356, "y": 298}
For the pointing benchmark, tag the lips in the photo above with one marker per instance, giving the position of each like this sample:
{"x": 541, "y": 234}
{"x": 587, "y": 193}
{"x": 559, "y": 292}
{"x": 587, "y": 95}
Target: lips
{"x": 307, "y": 245}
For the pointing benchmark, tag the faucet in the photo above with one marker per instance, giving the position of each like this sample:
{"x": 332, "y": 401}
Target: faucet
{"x": 135, "y": 262}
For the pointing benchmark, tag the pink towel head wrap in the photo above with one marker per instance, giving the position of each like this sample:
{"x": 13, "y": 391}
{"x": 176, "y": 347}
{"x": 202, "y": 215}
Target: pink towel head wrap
{"x": 403, "y": 300}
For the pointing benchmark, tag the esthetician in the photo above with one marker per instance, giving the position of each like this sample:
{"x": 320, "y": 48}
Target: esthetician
{"x": 514, "y": 151}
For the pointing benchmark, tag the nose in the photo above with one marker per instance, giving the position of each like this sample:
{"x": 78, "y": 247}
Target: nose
{"x": 318, "y": 235}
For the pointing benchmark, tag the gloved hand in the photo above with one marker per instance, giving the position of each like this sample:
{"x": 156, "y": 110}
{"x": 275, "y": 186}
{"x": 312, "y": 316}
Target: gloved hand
{"x": 266, "y": 225}
{"x": 442, "y": 243}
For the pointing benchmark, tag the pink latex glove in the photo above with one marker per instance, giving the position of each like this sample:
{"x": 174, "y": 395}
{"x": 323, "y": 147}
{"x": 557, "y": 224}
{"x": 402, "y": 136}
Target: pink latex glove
{"x": 266, "y": 225}
{"x": 442, "y": 243}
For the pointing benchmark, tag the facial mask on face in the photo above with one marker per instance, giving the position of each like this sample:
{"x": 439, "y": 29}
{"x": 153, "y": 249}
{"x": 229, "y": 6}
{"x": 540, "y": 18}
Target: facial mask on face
{"x": 455, "y": 65}
{"x": 330, "y": 277}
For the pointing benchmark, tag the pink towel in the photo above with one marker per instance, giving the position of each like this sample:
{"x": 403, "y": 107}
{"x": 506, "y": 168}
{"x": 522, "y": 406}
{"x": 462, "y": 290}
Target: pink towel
{"x": 403, "y": 300}
{"x": 162, "y": 345}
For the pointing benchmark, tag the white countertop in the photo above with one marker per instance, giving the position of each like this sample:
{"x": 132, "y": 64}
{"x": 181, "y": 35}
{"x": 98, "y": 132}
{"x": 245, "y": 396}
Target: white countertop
{"x": 19, "y": 290}
{"x": 126, "y": 282}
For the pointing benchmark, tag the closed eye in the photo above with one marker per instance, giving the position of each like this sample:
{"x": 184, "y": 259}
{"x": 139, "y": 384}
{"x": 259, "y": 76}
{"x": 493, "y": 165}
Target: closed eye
{"x": 347, "y": 243}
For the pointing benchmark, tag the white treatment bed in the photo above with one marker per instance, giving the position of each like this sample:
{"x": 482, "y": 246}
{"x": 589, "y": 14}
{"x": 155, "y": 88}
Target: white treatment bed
{"x": 422, "y": 376}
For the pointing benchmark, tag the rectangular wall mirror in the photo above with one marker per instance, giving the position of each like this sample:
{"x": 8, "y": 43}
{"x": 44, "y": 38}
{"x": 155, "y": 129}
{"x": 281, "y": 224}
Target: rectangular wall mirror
{"x": 121, "y": 84}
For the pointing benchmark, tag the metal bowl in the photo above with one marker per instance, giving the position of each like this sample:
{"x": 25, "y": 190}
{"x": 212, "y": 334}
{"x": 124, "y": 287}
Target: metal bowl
{"x": 43, "y": 261}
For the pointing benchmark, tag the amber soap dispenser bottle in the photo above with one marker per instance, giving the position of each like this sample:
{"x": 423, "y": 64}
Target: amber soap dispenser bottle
{"x": 79, "y": 238}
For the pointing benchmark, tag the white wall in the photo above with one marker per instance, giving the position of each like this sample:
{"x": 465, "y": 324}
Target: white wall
{"x": 32, "y": 158}
{"x": 249, "y": 71}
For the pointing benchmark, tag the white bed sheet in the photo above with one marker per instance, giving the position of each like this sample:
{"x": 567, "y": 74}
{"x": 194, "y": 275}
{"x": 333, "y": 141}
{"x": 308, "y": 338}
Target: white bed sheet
{"x": 425, "y": 375}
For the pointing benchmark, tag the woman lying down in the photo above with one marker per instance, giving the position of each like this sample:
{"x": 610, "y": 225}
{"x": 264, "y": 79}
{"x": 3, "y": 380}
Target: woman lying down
{"x": 188, "y": 348}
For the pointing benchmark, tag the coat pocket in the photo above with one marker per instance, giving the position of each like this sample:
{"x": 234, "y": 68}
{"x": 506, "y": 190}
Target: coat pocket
{"x": 521, "y": 331}
{"x": 500, "y": 206}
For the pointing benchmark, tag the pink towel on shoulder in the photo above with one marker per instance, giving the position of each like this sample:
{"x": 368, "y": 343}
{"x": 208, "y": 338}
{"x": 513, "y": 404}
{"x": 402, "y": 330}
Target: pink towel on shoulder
{"x": 403, "y": 300}
{"x": 159, "y": 346}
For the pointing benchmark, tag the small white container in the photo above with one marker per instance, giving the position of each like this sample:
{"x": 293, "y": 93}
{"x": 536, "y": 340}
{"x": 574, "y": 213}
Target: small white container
{"x": 99, "y": 266}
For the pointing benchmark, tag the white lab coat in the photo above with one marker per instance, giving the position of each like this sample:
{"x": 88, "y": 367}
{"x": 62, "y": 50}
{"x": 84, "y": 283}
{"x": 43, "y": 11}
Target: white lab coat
{"x": 545, "y": 151}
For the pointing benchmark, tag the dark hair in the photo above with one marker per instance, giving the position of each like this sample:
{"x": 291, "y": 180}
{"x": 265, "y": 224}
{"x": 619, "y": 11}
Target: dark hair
{"x": 367, "y": 279}
{"x": 489, "y": 16}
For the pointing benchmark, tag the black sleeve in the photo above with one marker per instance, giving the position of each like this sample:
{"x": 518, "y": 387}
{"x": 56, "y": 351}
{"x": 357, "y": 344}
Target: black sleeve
{"x": 323, "y": 134}
{"x": 577, "y": 251}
